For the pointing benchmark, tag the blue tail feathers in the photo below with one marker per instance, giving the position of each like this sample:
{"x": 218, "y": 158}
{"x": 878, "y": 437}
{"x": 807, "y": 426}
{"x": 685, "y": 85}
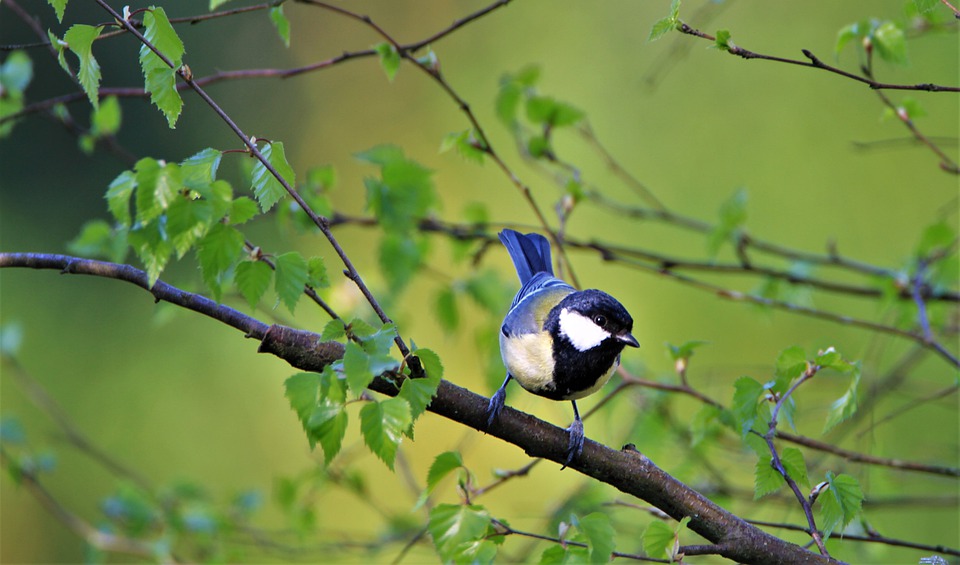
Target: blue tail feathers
{"x": 530, "y": 253}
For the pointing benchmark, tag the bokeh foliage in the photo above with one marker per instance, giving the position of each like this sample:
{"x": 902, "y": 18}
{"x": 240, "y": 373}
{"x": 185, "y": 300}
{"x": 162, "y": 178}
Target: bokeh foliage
{"x": 752, "y": 150}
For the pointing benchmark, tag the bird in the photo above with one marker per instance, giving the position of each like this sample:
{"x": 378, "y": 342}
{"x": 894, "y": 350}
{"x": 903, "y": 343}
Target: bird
{"x": 556, "y": 341}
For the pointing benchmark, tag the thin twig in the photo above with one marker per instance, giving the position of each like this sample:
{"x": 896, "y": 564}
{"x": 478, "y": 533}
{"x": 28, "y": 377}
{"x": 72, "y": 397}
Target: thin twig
{"x": 96, "y": 537}
{"x": 38, "y": 395}
{"x": 350, "y": 272}
{"x": 816, "y": 63}
{"x": 464, "y": 106}
{"x": 777, "y": 464}
{"x": 869, "y": 538}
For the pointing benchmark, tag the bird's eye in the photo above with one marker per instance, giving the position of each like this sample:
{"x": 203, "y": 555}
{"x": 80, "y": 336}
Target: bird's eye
{"x": 600, "y": 320}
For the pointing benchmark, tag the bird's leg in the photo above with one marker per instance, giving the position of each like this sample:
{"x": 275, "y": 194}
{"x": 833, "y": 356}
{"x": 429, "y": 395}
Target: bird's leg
{"x": 576, "y": 436}
{"x": 496, "y": 401}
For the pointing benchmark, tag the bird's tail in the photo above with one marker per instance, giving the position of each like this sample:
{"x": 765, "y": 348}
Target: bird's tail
{"x": 530, "y": 253}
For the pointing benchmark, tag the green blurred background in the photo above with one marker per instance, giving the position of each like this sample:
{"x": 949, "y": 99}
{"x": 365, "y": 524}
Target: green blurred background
{"x": 180, "y": 397}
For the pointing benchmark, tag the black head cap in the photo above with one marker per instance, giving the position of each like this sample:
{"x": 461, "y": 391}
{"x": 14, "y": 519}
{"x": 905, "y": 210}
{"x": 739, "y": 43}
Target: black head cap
{"x": 603, "y": 310}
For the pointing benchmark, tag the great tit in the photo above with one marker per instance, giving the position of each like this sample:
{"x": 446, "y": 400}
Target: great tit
{"x": 556, "y": 341}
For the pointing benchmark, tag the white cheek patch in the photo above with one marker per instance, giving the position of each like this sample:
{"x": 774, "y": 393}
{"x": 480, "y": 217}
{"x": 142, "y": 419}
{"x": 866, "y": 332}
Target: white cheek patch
{"x": 580, "y": 330}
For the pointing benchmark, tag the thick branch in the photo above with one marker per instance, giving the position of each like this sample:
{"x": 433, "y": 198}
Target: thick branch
{"x": 628, "y": 470}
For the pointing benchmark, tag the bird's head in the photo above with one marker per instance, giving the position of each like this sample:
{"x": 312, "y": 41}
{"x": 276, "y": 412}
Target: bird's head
{"x": 589, "y": 318}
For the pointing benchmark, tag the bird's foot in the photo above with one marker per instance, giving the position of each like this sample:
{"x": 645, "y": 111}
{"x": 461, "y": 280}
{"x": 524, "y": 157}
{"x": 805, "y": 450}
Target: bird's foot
{"x": 495, "y": 405}
{"x": 576, "y": 442}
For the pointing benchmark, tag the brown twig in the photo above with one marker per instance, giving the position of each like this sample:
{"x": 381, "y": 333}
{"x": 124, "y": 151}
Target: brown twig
{"x": 777, "y": 463}
{"x": 94, "y": 536}
{"x": 484, "y": 141}
{"x": 350, "y": 272}
{"x": 815, "y": 63}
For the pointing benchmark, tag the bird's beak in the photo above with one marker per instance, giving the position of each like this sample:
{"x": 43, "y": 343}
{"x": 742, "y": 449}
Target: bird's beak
{"x": 628, "y": 339}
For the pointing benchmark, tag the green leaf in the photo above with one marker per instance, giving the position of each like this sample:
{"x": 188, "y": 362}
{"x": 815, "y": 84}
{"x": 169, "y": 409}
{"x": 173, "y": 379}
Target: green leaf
{"x": 217, "y": 252}
{"x": 361, "y": 329}
{"x": 431, "y": 362}
{"x": 356, "y": 366}
{"x": 831, "y": 359}
{"x": 487, "y": 290}
{"x": 328, "y": 421}
{"x": 684, "y": 351}
{"x": 266, "y": 187}
{"x": 11, "y": 337}
{"x": 794, "y": 464}
{"x": 317, "y": 273}
{"x": 704, "y": 423}
{"x": 840, "y": 502}
{"x": 252, "y": 279}
{"x": 291, "y": 277}
{"x": 157, "y": 185}
{"x": 98, "y": 239}
{"x": 214, "y": 4}
{"x": 60, "y": 45}
{"x": 187, "y": 221}
{"x": 846, "y": 405}
{"x": 664, "y": 25}
{"x": 419, "y": 392}
{"x": 658, "y": 540}
{"x": 302, "y": 390}
{"x": 890, "y": 43}
{"x": 443, "y": 465}
{"x": 599, "y": 533}
{"x": 334, "y": 330}
{"x": 382, "y": 425}
{"x": 512, "y": 90}
{"x": 452, "y": 526}
{"x": 766, "y": 479}
{"x": 15, "y": 75}
{"x": 153, "y": 248}
{"x": 242, "y": 210}
{"x": 404, "y": 193}
{"x": 79, "y": 39}
{"x": 322, "y": 178}
{"x": 733, "y": 214}
{"x": 16, "y": 72}
{"x": 547, "y": 111}
{"x": 466, "y": 144}
{"x": 846, "y": 34}
{"x": 722, "y": 41}
{"x": 381, "y": 155}
{"x": 445, "y": 307}
{"x": 106, "y": 117}
{"x": 58, "y": 6}
{"x": 389, "y": 59}
{"x": 400, "y": 259}
{"x": 282, "y": 24}
{"x": 746, "y": 394}
{"x": 660, "y": 28}
{"x": 361, "y": 363}
{"x": 791, "y": 363}
{"x": 11, "y": 430}
{"x": 380, "y": 341}
{"x": 118, "y": 196}
{"x": 319, "y": 402}
{"x": 200, "y": 170}
{"x": 924, "y": 6}
{"x": 936, "y": 238}
{"x": 161, "y": 78}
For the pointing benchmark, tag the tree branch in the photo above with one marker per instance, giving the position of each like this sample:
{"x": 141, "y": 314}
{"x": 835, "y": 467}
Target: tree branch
{"x": 627, "y": 470}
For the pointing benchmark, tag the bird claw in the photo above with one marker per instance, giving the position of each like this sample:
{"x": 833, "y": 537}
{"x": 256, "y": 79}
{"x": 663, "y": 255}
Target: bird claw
{"x": 575, "y": 447}
{"x": 495, "y": 405}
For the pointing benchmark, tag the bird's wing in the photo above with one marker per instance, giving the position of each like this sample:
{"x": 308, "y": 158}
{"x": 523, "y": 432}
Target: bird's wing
{"x": 533, "y": 303}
